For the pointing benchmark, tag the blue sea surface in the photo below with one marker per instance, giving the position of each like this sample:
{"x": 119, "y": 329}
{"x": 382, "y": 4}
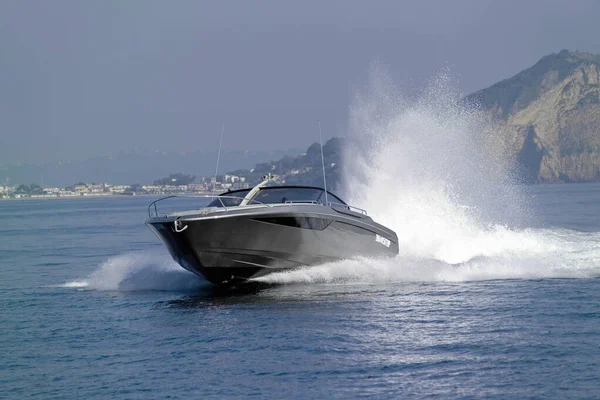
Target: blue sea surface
{"x": 92, "y": 306}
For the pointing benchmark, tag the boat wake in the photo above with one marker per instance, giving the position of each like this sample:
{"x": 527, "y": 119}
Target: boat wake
{"x": 543, "y": 254}
{"x": 139, "y": 272}
{"x": 437, "y": 171}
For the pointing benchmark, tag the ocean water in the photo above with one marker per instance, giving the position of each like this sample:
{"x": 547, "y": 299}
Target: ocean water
{"x": 495, "y": 292}
{"x": 93, "y": 307}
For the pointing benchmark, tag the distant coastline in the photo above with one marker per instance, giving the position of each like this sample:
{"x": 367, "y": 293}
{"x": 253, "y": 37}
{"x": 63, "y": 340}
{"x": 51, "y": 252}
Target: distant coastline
{"x": 104, "y": 196}
{"x": 175, "y": 184}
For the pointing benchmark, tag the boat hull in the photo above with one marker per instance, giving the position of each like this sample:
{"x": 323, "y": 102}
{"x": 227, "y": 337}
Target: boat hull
{"x": 236, "y": 247}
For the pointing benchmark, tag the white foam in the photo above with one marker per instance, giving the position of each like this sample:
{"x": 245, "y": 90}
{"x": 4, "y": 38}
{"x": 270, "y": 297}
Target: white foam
{"x": 138, "y": 272}
{"x": 75, "y": 284}
{"x": 577, "y": 257}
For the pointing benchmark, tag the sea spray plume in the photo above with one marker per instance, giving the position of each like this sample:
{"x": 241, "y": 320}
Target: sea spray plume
{"x": 433, "y": 170}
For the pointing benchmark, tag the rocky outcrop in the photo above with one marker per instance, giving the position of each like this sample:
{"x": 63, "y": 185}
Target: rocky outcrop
{"x": 554, "y": 111}
{"x": 530, "y": 156}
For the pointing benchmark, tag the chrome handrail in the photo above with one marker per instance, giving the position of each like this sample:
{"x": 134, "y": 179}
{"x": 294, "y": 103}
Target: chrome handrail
{"x": 207, "y": 196}
{"x": 154, "y": 204}
{"x": 329, "y": 203}
{"x": 349, "y": 208}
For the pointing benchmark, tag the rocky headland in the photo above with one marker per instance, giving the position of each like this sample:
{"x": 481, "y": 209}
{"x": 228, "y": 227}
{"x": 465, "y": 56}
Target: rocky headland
{"x": 552, "y": 111}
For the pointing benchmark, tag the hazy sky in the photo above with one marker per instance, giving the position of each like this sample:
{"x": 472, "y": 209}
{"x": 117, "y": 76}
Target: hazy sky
{"x": 85, "y": 78}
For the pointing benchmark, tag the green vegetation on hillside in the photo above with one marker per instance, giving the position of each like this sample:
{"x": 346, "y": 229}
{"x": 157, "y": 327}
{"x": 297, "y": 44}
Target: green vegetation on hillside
{"x": 305, "y": 169}
{"x": 29, "y": 189}
{"x": 175, "y": 180}
{"x": 514, "y": 94}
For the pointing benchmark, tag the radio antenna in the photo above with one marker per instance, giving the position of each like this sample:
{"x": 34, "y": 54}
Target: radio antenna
{"x": 218, "y": 157}
{"x": 323, "y": 162}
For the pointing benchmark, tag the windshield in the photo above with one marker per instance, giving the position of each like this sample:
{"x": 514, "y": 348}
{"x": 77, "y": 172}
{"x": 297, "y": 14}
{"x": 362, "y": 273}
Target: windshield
{"x": 283, "y": 195}
{"x": 273, "y": 195}
{"x": 229, "y": 199}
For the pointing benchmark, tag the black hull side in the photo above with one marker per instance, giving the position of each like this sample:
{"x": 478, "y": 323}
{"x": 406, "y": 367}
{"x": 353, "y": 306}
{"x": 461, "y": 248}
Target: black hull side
{"x": 237, "y": 248}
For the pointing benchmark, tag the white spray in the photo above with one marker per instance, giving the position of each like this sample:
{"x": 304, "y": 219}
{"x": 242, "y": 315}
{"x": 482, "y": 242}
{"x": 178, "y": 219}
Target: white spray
{"x": 139, "y": 272}
{"x": 437, "y": 172}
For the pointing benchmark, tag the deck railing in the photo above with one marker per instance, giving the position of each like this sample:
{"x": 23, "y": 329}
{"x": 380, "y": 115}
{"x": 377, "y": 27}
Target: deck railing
{"x": 348, "y": 207}
{"x": 153, "y": 209}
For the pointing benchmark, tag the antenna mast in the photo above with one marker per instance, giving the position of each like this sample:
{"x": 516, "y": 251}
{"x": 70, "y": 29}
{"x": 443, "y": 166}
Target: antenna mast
{"x": 323, "y": 162}
{"x": 218, "y": 157}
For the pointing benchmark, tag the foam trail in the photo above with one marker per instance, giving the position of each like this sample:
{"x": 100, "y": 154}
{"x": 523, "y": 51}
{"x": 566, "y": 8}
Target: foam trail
{"x": 440, "y": 174}
{"x": 138, "y": 272}
{"x": 575, "y": 255}
{"x": 76, "y": 284}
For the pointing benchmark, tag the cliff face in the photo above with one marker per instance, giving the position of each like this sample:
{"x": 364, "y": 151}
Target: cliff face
{"x": 553, "y": 109}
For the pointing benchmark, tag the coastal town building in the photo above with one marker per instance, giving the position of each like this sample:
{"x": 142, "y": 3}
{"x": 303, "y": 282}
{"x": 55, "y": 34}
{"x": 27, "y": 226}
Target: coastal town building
{"x": 200, "y": 185}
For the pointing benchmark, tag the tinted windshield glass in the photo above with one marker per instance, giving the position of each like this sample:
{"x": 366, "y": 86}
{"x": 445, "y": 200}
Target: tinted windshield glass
{"x": 229, "y": 199}
{"x": 334, "y": 199}
{"x": 282, "y": 195}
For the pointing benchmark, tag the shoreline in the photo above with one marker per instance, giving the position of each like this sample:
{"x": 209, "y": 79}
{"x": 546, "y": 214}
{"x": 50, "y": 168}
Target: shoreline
{"x": 199, "y": 194}
{"x": 110, "y": 196}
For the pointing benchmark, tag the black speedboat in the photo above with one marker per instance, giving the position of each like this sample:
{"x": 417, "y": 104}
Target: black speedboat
{"x": 248, "y": 233}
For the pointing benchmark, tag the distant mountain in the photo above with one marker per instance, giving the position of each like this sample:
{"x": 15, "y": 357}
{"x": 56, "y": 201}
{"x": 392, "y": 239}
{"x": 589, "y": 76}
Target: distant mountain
{"x": 133, "y": 167}
{"x": 304, "y": 169}
{"x": 553, "y": 109}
